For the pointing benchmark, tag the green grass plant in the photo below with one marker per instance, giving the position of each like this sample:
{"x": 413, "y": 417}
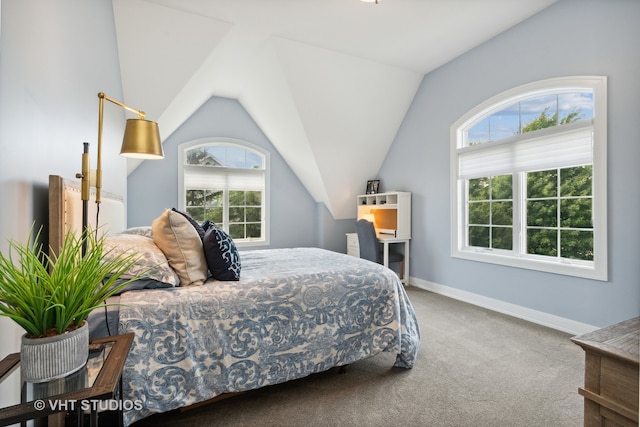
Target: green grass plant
{"x": 50, "y": 294}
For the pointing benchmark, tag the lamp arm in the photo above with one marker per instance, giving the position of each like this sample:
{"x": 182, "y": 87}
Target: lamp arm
{"x": 102, "y": 96}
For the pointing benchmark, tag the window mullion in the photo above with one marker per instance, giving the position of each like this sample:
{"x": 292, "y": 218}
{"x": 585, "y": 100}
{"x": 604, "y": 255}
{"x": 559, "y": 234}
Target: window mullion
{"x": 467, "y": 207}
{"x": 519, "y": 213}
{"x": 225, "y": 210}
{"x": 490, "y": 214}
{"x": 558, "y": 214}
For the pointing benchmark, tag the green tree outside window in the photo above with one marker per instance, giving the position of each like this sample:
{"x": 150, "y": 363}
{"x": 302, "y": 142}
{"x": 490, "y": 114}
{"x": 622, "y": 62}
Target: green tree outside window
{"x": 491, "y": 212}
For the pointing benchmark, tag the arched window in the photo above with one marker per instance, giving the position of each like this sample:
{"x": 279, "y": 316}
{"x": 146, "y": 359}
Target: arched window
{"x": 226, "y": 181}
{"x": 529, "y": 178}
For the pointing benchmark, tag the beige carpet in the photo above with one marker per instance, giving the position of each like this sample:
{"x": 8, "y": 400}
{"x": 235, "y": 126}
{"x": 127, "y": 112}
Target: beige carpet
{"x": 475, "y": 368}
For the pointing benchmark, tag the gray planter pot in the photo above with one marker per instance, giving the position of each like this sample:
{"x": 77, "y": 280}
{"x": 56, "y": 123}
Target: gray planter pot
{"x": 45, "y": 359}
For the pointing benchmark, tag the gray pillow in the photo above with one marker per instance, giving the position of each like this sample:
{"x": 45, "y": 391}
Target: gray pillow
{"x": 153, "y": 264}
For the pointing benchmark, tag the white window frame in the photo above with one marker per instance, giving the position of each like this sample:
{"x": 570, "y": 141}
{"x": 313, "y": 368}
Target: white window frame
{"x": 182, "y": 148}
{"x": 596, "y": 269}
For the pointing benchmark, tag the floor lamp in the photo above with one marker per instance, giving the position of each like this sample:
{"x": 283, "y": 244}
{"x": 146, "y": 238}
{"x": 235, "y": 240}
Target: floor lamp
{"x": 141, "y": 140}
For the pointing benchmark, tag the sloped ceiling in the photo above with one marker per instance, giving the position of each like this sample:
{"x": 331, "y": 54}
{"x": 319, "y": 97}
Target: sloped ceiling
{"x": 328, "y": 81}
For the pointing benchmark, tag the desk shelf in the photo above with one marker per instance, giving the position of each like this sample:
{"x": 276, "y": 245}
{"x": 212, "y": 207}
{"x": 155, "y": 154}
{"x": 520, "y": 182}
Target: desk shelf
{"x": 390, "y": 211}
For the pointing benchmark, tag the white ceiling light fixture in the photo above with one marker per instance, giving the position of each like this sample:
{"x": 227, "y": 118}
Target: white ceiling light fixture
{"x": 370, "y": 1}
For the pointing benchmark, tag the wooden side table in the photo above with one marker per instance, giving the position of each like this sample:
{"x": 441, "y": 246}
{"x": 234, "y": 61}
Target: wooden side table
{"x": 611, "y": 374}
{"x": 97, "y": 381}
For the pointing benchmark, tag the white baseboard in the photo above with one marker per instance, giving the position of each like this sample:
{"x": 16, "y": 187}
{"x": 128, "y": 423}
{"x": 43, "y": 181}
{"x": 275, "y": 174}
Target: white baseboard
{"x": 535, "y": 316}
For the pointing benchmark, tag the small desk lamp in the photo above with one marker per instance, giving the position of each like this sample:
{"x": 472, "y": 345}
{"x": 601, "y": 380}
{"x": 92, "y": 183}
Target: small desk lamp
{"x": 141, "y": 140}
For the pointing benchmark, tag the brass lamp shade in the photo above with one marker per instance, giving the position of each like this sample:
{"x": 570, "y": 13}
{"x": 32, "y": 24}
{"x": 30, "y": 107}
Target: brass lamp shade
{"x": 142, "y": 140}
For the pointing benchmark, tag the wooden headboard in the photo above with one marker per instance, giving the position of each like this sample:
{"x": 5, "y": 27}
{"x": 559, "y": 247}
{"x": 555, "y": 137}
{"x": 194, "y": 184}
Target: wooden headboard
{"x": 65, "y": 211}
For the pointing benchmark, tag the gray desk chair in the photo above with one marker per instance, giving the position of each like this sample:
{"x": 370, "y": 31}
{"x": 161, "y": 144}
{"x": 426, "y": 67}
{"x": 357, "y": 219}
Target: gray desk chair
{"x": 371, "y": 249}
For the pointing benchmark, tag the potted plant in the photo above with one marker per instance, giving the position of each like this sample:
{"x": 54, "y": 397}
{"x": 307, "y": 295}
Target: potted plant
{"x": 51, "y": 296}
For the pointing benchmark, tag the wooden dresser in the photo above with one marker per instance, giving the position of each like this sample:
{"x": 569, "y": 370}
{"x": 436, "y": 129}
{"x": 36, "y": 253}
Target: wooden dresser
{"x": 611, "y": 374}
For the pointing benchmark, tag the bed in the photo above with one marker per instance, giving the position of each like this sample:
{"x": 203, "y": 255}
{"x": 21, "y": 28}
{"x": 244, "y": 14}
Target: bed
{"x": 291, "y": 313}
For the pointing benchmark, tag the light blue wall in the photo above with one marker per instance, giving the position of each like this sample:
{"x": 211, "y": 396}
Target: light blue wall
{"x": 572, "y": 37}
{"x": 331, "y": 233}
{"x": 55, "y": 56}
{"x": 153, "y": 186}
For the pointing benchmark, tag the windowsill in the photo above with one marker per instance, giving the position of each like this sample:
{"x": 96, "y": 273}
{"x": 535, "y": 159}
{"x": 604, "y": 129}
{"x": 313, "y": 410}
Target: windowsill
{"x": 251, "y": 243}
{"x": 564, "y": 267}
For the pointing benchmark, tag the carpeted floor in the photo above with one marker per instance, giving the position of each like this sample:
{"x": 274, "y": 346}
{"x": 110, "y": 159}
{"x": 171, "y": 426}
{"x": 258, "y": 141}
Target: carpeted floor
{"x": 475, "y": 368}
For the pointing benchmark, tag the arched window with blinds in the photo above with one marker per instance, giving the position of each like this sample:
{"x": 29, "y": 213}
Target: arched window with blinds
{"x": 225, "y": 181}
{"x": 529, "y": 178}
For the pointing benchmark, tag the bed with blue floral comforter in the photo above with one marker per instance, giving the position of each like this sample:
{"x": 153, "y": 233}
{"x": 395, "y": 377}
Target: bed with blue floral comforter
{"x": 293, "y": 313}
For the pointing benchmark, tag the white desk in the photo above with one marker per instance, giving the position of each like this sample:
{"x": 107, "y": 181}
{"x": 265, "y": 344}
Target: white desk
{"x": 386, "y": 240}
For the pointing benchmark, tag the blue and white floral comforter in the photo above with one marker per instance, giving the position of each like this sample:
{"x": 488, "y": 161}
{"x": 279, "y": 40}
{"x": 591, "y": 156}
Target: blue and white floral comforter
{"x": 294, "y": 312}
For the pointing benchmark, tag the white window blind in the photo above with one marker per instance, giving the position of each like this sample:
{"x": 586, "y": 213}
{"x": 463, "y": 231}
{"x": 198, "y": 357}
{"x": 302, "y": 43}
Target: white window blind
{"x": 561, "y": 146}
{"x": 222, "y": 178}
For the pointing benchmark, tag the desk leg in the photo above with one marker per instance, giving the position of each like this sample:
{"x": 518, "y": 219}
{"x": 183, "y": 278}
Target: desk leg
{"x": 405, "y": 276}
{"x": 385, "y": 257}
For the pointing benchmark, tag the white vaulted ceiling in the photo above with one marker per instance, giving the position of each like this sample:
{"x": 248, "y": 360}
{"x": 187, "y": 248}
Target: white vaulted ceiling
{"x": 328, "y": 81}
